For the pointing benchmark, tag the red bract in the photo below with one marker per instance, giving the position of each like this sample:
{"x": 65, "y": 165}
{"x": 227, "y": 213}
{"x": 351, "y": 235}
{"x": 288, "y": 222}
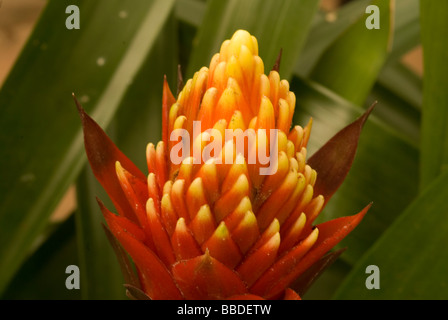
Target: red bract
{"x": 209, "y": 228}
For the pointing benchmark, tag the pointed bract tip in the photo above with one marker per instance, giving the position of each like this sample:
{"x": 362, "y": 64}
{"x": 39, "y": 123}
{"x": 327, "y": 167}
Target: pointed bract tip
{"x": 100, "y": 203}
{"x": 180, "y": 79}
{"x": 368, "y": 112}
{"x": 310, "y": 123}
{"x": 135, "y": 293}
{"x": 276, "y": 66}
{"x": 370, "y": 109}
{"x": 81, "y": 111}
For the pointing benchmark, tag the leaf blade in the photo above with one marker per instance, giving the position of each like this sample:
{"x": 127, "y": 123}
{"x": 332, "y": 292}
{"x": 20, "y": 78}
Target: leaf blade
{"x": 356, "y": 57}
{"x": 390, "y": 184}
{"x": 48, "y": 156}
{"x": 434, "y": 139}
{"x": 410, "y": 254}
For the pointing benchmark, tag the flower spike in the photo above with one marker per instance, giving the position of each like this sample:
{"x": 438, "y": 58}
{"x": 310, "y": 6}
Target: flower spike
{"x": 227, "y": 208}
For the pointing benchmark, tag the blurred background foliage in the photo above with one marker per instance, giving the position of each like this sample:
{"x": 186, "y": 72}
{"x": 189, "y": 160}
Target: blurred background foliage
{"x": 115, "y": 64}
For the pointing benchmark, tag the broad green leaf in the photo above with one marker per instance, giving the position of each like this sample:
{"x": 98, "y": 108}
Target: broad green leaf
{"x": 138, "y": 120}
{"x": 43, "y": 275}
{"x": 397, "y": 89}
{"x": 136, "y": 123}
{"x": 411, "y": 255}
{"x": 403, "y": 83}
{"x": 190, "y": 11}
{"x": 399, "y": 93}
{"x": 352, "y": 63}
{"x": 189, "y": 14}
{"x": 277, "y": 25}
{"x": 406, "y": 26}
{"x": 326, "y": 28}
{"x": 434, "y": 140}
{"x": 39, "y": 127}
{"x": 383, "y": 171}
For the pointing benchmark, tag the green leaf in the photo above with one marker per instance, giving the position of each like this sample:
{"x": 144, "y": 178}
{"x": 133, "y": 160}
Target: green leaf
{"x": 406, "y": 28}
{"x": 399, "y": 93}
{"x": 411, "y": 255}
{"x": 136, "y": 123}
{"x": 398, "y": 90}
{"x": 39, "y": 126}
{"x": 383, "y": 171}
{"x": 434, "y": 140}
{"x": 43, "y": 275}
{"x": 326, "y": 28}
{"x": 190, "y": 11}
{"x": 352, "y": 63}
{"x": 277, "y": 25}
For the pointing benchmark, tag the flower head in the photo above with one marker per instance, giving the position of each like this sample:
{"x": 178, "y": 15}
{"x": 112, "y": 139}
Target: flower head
{"x": 228, "y": 205}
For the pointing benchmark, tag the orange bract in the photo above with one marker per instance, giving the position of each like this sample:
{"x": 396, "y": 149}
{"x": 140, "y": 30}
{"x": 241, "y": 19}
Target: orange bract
{"x": 214, "y": 229}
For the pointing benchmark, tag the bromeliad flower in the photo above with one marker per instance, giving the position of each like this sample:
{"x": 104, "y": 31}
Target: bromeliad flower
{"x": 227, "y": 209}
